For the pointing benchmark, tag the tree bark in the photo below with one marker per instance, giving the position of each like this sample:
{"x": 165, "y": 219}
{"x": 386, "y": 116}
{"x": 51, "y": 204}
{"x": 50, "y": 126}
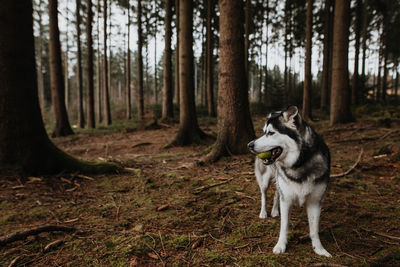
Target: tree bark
{"x": 266, "y": 96}
{"x": 356, "y": 80}
{"x": 385, "y": 56}
{"x": 106, "y": 97}
{"x": 340, "y": 108}
{"x": 62, "y": 126}
{"x": 167, "y": 108}
{"x": 189, "y": 130}
{"x": 306, "y": 110}
{"x": 364, "y": 38}
{"x": 81, "y": 116}
{"x": 128, "y": 70}
{"x": 235, "y": 127}
{"x": 140, "y": 62}
{"x": 66, "y": 61}
{"x": 210, "y": 61}
{"x": 246, "y": 40}
{"x": 90, "y": 87}
{"x": 327, "y": 60}
{"x": 177, "y": 91}
{"x": 42, "y": 99}
{"x": 24, "y": 144}
{"x": 99, "y": 64}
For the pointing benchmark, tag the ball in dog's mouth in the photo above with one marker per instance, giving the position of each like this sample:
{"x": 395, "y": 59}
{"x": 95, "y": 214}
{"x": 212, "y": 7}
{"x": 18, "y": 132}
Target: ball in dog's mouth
{"x": 270, "y": 156}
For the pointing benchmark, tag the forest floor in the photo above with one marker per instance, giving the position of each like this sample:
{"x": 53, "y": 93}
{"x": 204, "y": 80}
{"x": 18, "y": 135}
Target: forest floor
{"x": 164, "y": 212}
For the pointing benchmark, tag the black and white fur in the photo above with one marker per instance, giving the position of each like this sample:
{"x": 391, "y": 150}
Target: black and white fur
{"x": 300, "y": 164}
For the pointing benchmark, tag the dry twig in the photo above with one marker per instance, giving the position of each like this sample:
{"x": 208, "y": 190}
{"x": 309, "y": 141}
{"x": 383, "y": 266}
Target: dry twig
{"x": 351, "y": 168}
{"x": 203, "y": 188}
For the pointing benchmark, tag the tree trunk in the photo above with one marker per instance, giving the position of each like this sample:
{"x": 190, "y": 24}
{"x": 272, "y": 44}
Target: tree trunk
{"x": 385, "y": 57}
{"x": 90, "y": 87}
{"x": 327, "y": 60}
{"x": 396, "y": 83}
{"x": 167, "y": 108}
{"x": 66, "y": 60}
{"x": 24, "y": 145}
{"x": 364, "y": 38}
{"x": 356, "y": 80}
{"x": 62, "y": 126}
{"x": 340, "y": 108}
{"x": 235, "y": 127}
{"x": 128, "y": 70}
{"x": 266, "y": 96}
{"x": 246, "y": 40}
{"x": 177, "y": 91}
{"x": 42, "y": 99}
{"x": 140, "y": 62}
{"x": 81, "y": 116}
{"x": 99, "y": 64}
{"x": 210, "y": 61}
{"x": 106, "y": 98}
{"x": 306, "y": 110}
{"x": 189, "y": 130}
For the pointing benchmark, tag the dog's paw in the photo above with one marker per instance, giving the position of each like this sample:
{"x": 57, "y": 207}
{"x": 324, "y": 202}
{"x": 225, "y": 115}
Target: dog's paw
{"x": 274, "y": 213}
{"x": 263, "y": 215}
{"x": 279, "y": 248}
{"x": 322, "y": 252}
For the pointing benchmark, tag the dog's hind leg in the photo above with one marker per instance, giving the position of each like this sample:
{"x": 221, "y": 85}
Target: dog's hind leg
{"x": 280, "y": 247}
{"x": 275, "y": 207}
{"x": 313, "y": 213}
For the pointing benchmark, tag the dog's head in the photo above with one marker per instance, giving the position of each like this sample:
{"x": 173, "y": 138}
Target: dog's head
{"x": 281, "y": 136}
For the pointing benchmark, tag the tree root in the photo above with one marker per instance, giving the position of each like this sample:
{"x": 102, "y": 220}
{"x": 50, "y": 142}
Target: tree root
{"x": 34, "y": 231}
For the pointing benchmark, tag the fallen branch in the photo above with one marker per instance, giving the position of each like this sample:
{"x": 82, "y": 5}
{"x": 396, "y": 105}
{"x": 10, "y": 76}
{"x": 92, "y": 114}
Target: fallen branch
{"x": 35, "y": 231}
{"x": 203, "y": 188}
{"x": 388, "y": 133}
{"x": 382, "y": 234}
{"x": 351, "y": 168}
{"x": 141, "y": 144}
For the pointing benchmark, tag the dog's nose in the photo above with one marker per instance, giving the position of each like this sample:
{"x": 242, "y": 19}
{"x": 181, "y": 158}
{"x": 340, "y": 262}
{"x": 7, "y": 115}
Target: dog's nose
{"x": 250, "y": 145}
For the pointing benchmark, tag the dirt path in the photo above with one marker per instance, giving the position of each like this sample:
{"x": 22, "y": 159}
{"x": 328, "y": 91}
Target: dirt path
{"x": 164, "y": 213}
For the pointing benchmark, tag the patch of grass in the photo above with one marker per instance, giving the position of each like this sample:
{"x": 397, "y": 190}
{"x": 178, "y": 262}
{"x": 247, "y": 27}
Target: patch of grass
{"x": 215, "y": 257}
{"x": 178, "y": 242}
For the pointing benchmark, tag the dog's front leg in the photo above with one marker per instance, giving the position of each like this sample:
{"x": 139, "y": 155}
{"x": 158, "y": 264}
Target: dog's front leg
{"x": 263, "y": 212}
{"x": 284, "y": 204}
{"x": 313, "y": 213}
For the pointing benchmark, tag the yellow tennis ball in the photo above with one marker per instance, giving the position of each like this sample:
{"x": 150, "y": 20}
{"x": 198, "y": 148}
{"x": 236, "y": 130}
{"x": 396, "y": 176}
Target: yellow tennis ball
{"x": 264, "y": 155}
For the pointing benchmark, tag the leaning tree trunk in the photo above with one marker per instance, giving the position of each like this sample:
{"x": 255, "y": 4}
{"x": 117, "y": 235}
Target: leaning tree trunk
{"x": 340, "y": 108}
{"x": 81, "y": 116}
{"x": 167, "y": 108}
{"x": 327, "y": 58}
{"x": 140, "y": 62}
{"x": 90, "y": 87}
{"x": 356, "y": 78}
{"x": 235, "y": 127}
{"x": 106, "y": 97}
{"x": 210, "y": 61}
{"x": 189, "y": 130}
{"x": 24, "y": 144}
{"x": 128, "y": 69}
{"x": 62, "y": 126}
{"x": 306, "y": 109}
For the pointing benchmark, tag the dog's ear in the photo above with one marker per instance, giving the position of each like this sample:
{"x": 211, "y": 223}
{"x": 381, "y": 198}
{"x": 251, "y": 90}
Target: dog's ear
{"x": 291, "y": 116}
{"x": 291, "y": 113}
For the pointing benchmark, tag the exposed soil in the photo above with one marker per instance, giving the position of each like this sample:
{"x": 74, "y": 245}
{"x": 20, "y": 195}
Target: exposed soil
{"x": 163, "y": 213}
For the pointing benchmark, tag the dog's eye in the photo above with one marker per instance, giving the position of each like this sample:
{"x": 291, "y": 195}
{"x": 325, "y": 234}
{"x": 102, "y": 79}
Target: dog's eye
{"x": 270, "y": 133}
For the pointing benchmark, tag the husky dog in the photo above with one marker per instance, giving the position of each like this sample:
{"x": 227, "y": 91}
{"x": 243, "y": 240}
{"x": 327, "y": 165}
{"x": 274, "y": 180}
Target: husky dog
{"x": 299, "y": 161}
